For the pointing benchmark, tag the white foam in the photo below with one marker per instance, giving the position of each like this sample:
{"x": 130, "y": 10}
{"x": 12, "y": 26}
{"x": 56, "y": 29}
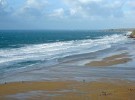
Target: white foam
{"x": 56, "y": 50}
{"x": 129, "y": 32}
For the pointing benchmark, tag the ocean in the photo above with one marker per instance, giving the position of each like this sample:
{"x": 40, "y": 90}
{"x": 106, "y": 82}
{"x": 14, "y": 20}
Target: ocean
{"x": 26, "y": 50}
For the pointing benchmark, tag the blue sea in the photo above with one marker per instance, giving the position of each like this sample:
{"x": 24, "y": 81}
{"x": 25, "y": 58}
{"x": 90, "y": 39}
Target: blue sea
{"x": 26, "y": 50}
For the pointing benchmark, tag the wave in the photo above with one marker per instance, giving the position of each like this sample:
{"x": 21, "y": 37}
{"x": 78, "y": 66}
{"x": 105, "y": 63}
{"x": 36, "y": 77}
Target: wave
{"x": 49, "y": 51}
{"x": 128, "y": 33}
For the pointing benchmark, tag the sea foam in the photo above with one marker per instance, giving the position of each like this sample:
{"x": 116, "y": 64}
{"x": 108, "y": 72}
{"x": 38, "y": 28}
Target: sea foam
{"x": 56, "y": 50}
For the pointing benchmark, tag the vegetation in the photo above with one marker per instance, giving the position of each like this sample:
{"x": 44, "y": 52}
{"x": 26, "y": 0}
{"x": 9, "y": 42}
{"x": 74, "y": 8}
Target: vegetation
{"x": 133, "y": 32}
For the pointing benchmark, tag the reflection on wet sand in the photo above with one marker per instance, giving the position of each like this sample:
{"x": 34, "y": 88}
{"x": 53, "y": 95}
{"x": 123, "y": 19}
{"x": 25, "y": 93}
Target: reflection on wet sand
{"x": 111, "y": 60}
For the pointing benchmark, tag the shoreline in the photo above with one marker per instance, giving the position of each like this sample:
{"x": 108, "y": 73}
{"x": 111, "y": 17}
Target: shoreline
{"x": 106, "y": 74}
{"x": 110, "y": 65}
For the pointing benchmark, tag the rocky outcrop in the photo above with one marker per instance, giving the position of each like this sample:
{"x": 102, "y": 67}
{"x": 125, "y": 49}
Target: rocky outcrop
{"x": 132, "y": 35}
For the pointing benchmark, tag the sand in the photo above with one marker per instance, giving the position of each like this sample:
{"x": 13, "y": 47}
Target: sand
{"x": 103, "y": 89}
{"x": 70, "y": 90}
{"x": 111, "y": 60}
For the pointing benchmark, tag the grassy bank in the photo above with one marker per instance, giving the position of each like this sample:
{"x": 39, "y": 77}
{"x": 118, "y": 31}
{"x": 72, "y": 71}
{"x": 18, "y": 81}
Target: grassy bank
{"x": 133, "y": 32}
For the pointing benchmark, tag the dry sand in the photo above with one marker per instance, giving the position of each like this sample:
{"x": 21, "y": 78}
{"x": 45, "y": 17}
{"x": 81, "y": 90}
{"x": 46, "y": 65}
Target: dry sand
{"x": 112, "y": 60}
{"x": 71, "y": 90}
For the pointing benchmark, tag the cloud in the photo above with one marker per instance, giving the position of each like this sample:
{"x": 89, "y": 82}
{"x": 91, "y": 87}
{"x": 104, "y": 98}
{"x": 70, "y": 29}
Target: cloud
{"x": 66, "y": 13}
{"x": 32, "y": 8}
{"x": 5, "y": 14}
{"x": 57, "y": 13}
{"x": 4, "y": 8}
{"x": 70, "y": 9}
{"x": 95, "y": 8}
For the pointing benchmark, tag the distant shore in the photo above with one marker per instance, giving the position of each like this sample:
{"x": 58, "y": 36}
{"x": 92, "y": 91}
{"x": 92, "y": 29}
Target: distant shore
{"x": 119, "y": 30}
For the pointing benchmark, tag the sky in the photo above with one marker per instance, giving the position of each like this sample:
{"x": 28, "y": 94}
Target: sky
{"x": 67, "y": 14}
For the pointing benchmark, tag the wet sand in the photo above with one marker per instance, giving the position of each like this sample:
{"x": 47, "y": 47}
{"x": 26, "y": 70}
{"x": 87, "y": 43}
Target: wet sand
{"x": 84, "y": 88}
{"x": 112, "y": 60}
{"x": 69, "y": 90}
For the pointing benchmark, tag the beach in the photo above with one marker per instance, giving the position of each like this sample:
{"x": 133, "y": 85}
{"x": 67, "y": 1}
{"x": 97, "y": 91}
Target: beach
{"x": 77, "y": 70}
{"x": 67, "y": 49}
{"x": 69, "y": 90}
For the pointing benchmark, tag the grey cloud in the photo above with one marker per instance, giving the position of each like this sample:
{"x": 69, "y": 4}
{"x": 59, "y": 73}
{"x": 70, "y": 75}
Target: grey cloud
{"x": 98, "y": 8}
{"x": 27, "y": 11}
{"x": 4, "y": 8}
{"x": 33, "y": 8}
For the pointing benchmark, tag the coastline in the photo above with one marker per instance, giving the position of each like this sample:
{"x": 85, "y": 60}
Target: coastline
{"x": 119, "y": 30}
{"x": 104, "y": 88}
{"x": 106, "y": 74}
